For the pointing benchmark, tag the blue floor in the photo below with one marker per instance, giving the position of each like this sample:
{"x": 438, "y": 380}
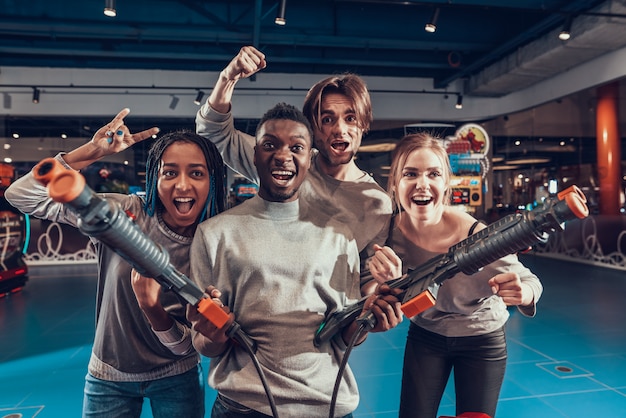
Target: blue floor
{"x": 568, "y": 361}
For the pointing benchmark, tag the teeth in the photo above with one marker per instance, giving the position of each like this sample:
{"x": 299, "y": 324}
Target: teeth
{"x": 282, "y": 173}
{"x": 421, "y": 200}
{"x": 183, "y": 199}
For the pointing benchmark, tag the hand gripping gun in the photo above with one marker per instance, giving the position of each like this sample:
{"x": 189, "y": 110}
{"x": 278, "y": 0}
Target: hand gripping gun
{"x": 107, "y": 222}
{"x": 513, "y": 233}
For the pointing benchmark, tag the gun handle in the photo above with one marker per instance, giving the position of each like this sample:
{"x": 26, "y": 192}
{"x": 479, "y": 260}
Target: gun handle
{"x": 216, "y": 315}
{"x": 213, "y": 312}
{"x": 418, "y": 304}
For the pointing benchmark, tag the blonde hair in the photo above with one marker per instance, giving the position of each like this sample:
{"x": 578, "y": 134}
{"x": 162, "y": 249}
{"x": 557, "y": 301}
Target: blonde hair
{"x": 404, "y": 148}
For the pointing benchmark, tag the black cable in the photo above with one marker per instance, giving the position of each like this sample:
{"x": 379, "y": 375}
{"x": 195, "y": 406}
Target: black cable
{"x": 363, "y": 325}
{"x": 250, "y": 350}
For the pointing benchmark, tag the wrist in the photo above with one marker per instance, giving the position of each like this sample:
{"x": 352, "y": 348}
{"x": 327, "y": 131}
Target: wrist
{"x": 528, "y": 296}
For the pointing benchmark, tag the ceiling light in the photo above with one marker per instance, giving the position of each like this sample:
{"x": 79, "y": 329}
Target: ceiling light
{"x": 280, "y": 14}
{"x": 199, "y": 97}
{"x": 459, "y": 101}
{"x": 109, "y": 8}
{"x": 529, "y": 160}
{"x": 505, "y": 167}
{"x": 174, "y": 102}
{"x": 6, "y": 100}
{"x": 564, "y": 35}
{"x": 35, "y": 95}
{"x": 431, "y": 26}
{"x": 383, "y": 145}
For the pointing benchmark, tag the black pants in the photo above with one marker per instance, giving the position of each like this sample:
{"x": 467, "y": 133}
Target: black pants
{"x": 478, "y": 363}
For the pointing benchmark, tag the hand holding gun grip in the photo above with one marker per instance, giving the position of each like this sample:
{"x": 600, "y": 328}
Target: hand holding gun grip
{"x": 105, "y": 221}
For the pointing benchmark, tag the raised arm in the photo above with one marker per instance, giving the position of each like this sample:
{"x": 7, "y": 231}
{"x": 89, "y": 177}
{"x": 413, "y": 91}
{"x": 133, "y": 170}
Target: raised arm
{"x": 247, "y": 62}
{"x": 31, "y": 197}
{"x": 110, "y": 139}
{"x": 214, "y": 120}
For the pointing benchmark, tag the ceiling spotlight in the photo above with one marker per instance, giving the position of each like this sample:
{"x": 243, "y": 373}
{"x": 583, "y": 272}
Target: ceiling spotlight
{"x": 109, "y": 8}
{"x": 199, "y": 97}
{"x": 564, "y": 35}
{"x": 459, "y": 101}
{"x": 431, "y": 26}
{"x": 280, "y": 14}
{"x": 35, "y": 95}
{"x": 174, "y": 102}
{"x": 6, "y": 100}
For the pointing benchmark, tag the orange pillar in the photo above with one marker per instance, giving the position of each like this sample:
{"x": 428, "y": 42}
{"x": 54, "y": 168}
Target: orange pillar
{"x": 608, "y": 147}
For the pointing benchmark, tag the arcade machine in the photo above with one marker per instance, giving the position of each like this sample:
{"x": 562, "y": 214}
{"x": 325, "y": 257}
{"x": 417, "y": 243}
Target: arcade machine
{"x": 14, "y": 235}
{"x": 467, "y": 152}
{"x": 241, "y": 190}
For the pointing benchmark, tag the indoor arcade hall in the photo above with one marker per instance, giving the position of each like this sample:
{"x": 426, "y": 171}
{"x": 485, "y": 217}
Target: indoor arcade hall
{"x": 528, "y": 98}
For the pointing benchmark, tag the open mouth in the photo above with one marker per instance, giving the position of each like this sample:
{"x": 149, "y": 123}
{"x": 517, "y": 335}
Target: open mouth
{"x": 340, "y": 145}
{"x": 422, "y": 201}
{"x": 184, "y": 204}
{"x": 283, "y": 175}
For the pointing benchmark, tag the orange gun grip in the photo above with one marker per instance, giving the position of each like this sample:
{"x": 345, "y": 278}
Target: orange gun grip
{"x": 213, "y": 312}
{"x": 47, "y": 169}
{"x": 66, "y": 186}
{"x": 418, "y": 304}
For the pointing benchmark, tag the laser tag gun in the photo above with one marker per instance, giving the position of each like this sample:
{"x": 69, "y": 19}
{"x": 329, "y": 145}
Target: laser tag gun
{"x": 106, "y": 221}
{"x": 511, "y": 234}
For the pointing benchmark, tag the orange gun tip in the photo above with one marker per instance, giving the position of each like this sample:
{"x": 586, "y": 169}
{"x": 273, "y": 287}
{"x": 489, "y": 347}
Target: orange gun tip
{"x": 47, "y": 169}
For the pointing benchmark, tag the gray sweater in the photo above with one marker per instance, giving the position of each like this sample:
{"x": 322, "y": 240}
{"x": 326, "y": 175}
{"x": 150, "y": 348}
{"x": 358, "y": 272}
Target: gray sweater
{"x": 125, "y": 348}
{"x": 281, "y": 272}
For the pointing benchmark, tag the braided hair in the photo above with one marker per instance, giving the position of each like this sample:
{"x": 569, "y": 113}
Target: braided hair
{"x": 216, "y": 201}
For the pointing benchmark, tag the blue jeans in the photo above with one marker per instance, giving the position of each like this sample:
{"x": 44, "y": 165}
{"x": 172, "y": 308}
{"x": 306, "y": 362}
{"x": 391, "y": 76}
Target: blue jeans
{"x": 478, "y": 363}
{"x": 170, "y": 397}
{"x": 227, "y": 408}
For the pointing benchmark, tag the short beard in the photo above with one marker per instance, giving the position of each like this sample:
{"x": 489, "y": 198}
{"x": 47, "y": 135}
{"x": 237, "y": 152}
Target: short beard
{"x": 280, "y": 196}
{"x": 336, "y": 162}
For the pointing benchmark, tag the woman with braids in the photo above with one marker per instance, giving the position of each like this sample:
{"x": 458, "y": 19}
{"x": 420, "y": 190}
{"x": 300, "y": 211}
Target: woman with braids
{"x": 142, "y": 347}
